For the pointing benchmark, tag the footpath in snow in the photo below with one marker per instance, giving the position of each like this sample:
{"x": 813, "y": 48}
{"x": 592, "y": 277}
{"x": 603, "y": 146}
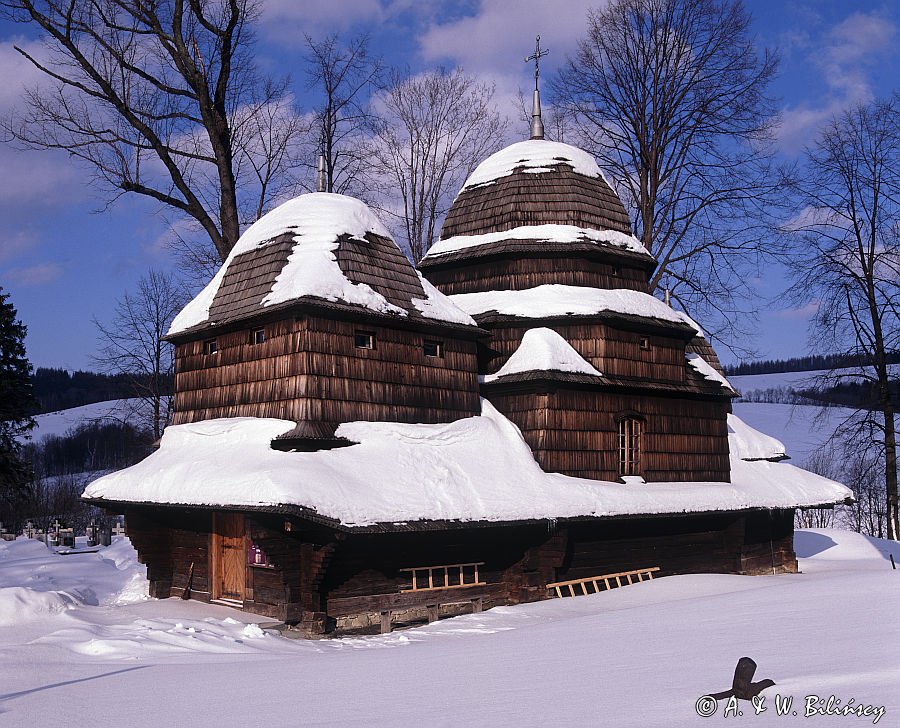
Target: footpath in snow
{"x": 81, "y": 642}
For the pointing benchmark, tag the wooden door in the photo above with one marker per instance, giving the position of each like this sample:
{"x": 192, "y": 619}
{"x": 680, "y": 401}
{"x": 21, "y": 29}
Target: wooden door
{"x": 230, "y": 555}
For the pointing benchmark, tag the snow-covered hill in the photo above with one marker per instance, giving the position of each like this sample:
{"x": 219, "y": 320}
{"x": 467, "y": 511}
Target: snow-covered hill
{"x": 638, "y": 656}
{"x": 58, "y": 423}
{"x": 790, "y": 380}
{"x": 802, "y": 428}
{"x": 61, "y": 422}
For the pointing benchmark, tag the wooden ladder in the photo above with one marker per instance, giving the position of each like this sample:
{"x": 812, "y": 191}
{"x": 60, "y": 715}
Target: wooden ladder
{"x": 449, "y": 576}
{"x": 604, "y": 582}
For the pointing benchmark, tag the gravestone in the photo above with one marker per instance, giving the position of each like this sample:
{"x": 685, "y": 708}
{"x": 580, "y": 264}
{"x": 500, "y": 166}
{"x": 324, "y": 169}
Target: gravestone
{"x": 92, "y": 534}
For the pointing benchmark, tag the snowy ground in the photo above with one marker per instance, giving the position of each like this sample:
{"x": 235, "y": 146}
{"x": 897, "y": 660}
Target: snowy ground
{"x": 61, "y": 422}
{"x": 79, "y": 639}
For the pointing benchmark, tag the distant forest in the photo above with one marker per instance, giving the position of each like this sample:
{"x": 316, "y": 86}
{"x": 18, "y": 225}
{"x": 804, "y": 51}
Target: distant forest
{"x": 801, "y": 364}
{"x": 57, "y": 389}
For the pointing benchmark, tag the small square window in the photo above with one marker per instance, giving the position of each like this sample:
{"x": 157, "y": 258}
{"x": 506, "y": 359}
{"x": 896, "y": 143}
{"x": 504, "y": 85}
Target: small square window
{"x": 258, "y": 336}
{"x": 433, "y": 348}
{"x": 364, "y": 340}
{"x": 210, "y": 346}
{"x": 615, "y": 270}
{"x": 645, "y": 343}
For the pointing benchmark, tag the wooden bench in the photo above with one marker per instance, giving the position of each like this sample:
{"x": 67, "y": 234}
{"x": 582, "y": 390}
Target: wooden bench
{"x": 604, "y": 582}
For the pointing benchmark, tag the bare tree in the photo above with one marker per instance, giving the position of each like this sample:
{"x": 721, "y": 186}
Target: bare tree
{"x": 270, "y": 139}
{"x": 670, "y": 95}
{"x": 863, "y": 472}
{"x": 431, "y": 132}
{"x": 155, "y": 98}
{"x": 345, "y": 76}
{"x": 822, "y": 462}
{"x": 848, "y": 261}
{"x": 132, "y": 344}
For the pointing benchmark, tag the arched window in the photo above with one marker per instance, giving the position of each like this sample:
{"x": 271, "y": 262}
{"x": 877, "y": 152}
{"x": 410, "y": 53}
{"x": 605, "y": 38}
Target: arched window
{"x": 630, "y": 432}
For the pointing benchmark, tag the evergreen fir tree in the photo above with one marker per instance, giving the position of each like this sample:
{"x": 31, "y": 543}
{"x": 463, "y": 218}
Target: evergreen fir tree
{"x": 16, "y": 401}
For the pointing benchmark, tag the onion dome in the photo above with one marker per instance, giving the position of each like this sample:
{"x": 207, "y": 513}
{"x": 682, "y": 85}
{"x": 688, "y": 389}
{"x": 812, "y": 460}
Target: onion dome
{"x": 534, "y": 195}
{"x": 322, "y": 250}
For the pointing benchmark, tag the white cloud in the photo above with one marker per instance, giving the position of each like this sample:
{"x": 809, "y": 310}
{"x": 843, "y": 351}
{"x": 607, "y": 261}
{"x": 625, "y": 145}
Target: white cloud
{"x": 16, "y": 72}
{"x": 16, "y": 244}
{"x": 288, "y": 20}
{"x": 35, "y": 275}
{"x": 846, "y": 56}
{"x": 493, "y": 42}
{"x": 801, "y": 313}
{"x": 497, "y": 38}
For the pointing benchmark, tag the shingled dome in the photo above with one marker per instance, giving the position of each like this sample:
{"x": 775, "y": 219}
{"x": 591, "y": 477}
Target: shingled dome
{"x": 320, "y": 249}
{"x": 538, "y": 192}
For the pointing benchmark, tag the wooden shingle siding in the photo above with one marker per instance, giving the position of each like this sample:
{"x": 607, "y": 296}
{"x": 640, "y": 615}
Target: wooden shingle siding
{"x": 523, "y": 198}
{"x": 574, "y": 432}
{"x": 310, "y": 369}
{"x": 519, "y": 272}
{"x": 610, "y": 350}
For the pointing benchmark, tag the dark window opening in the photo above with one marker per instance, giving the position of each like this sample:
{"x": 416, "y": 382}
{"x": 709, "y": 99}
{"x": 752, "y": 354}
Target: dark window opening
{"x": 615, "y": 270}
{"x": 364, "y": 340}
{"x": 630, "y": 430}
{"x": 433, "y": 348}
{"x": 645, "y": 343}
{"x": 258, "y": 336}
{"x": 210, "y": 346}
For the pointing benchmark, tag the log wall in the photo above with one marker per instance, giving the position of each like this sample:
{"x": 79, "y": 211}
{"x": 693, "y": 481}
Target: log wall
{"x": 575, "y": 433}
{"x": 309, "y": 369}
{"x": 318, "y": 576}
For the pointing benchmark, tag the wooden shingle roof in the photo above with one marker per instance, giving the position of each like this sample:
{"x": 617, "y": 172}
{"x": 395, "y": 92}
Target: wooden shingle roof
{"x": 321, "y": 250}
{"x": 557, "y": 195}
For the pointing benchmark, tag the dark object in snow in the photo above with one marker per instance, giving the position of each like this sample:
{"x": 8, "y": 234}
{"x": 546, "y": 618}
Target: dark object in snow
{"x": 741, "y": 686}
{"x": 186, "y": 594}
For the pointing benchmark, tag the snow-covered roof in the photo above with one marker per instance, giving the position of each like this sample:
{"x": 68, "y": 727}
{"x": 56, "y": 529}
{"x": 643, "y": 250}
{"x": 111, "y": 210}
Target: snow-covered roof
{"x": 539, "y": 234}
{"x": 562, "y": 300}
{"x": 316, "y": 226}
{"x": 475, "y": 469}
{"x": 704, "y": 368}
{"x": 747, "y": 443}
{"x": 543, "y": 349}
{"x": 533, "y": 156}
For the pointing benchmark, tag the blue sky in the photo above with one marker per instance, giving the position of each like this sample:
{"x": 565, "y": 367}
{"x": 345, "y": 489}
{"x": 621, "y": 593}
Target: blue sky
{"x": 65, "y": 257}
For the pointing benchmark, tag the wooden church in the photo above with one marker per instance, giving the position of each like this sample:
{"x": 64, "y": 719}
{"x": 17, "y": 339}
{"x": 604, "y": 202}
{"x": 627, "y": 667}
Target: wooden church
{"x": 357, "y": 443}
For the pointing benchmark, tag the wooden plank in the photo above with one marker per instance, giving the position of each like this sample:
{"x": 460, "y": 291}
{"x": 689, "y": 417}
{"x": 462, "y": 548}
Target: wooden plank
{"x": 386, "y": 621}
{"x": 344, "y": 606}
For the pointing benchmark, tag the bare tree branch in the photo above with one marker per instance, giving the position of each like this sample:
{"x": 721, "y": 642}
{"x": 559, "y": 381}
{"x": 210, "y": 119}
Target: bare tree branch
{"x": 670, "y": 95}
{"x": 346, "y": 76}
{"x": 154, "y": 98}
{"x": 132, "y": 344}
{"x": 432, "y": 131}
{"x": 847, "y": 258}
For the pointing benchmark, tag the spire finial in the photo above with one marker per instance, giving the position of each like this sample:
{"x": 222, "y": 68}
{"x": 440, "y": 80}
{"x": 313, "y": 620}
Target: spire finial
{"x": 537, "y": 126}
{"x": 322, "y": 177}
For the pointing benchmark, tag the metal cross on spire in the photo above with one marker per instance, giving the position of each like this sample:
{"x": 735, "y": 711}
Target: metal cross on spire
{"x": 536, "y": 57}
{"x": 537, "y": 126}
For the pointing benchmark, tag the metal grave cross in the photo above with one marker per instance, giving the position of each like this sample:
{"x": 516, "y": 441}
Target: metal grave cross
{"x": 536, "y": 57}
